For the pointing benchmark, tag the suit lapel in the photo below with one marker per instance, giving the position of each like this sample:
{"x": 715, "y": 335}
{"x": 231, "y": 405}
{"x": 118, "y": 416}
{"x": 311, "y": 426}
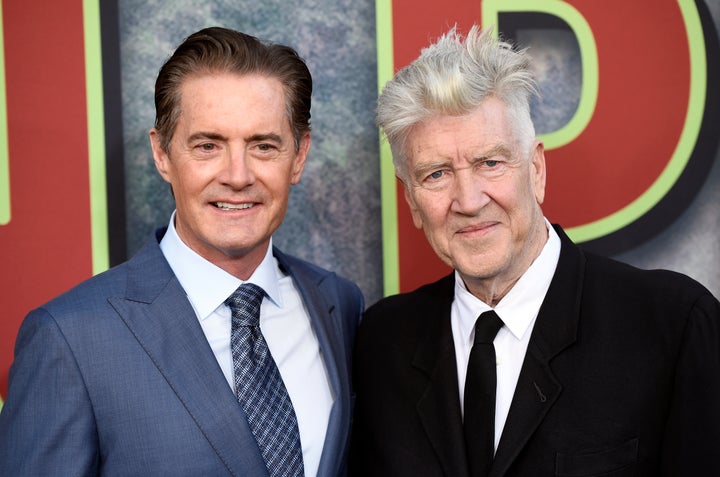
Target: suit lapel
{"x": 439, "y": 405}
{"x": 157, "y": 312}
{"x": 555, "y": 329}
{"x": 320, "y": 299}
{"x": 535, "y": 394}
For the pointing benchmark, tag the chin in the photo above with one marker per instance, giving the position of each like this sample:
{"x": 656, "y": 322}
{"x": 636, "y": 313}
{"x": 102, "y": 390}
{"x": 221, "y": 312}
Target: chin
{"x": 240, "y": 249}
{"x": 479, "y": 270}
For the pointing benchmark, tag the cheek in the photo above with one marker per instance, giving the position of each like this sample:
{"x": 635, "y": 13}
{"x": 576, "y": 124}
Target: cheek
{"x": 434, "y": 219}
{"x": 190, "y": 188}
{"x": 198, "y": 174}
{"x": 275, "y": 185}
{"x": 424, "y": 206}
{"x": 184, "y": 185}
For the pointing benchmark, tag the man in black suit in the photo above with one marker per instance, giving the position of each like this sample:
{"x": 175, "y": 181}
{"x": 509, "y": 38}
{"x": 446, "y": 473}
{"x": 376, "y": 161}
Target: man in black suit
{"x": 599, "y": 368}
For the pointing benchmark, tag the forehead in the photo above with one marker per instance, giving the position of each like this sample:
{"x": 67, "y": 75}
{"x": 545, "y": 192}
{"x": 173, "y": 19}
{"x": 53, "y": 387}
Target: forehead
{"x": 219, "y": 97}
{"x": 485, "y": 128}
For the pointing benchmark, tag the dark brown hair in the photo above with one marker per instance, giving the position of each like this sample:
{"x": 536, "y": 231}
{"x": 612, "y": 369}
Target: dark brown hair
{"x": 221, "y": 50}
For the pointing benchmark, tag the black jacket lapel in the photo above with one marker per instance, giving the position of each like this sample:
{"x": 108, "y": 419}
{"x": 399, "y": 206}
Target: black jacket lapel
{"x": 439, "y": 405}
{"x": 555, "y": 329}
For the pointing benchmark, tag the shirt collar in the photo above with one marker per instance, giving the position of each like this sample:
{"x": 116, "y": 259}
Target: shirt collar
{"x": 208, "y": 286}
{"x": 519, "y": 308}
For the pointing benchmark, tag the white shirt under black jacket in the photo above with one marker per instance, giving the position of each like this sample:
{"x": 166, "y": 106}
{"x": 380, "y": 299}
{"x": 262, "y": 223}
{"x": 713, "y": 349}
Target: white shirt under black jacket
{"x": 284, "y": 322}
{"x": 518, "y": 311}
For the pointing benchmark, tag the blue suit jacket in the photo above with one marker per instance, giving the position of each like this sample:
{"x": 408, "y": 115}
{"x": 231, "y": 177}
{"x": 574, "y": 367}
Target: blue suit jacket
{"x": 115, "y": 377}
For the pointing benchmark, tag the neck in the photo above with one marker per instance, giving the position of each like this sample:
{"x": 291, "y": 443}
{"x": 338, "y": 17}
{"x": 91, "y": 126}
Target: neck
{"x": 490, "y": 292}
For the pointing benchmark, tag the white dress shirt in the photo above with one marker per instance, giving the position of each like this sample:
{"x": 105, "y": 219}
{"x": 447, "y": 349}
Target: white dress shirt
{"x": 284, "y": 322}
{"x": 518, "y": 311}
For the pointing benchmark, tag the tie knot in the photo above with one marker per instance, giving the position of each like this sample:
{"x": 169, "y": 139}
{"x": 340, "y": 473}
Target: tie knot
{"x": 245, "y": 304}
{"x": 486, "y": 327}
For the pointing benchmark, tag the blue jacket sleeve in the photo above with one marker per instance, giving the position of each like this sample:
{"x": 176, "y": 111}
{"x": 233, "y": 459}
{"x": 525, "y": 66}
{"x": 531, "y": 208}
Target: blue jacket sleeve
{"x": 46, "y": 425}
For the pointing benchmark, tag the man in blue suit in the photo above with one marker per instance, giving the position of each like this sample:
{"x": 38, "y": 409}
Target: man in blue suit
{"x": 133, "y": 371}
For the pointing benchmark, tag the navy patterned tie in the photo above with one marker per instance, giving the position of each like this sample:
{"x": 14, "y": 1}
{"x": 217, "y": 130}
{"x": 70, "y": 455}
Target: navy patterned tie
{"x": 480, "y": 384}
{"x": 260, "y": 388}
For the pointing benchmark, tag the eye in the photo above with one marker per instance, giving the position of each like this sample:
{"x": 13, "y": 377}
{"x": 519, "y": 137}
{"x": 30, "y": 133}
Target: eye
{"x": 207, "y": 146}
{"x": 491, "y": 163}
{"x": 434, "y": 179}
{"x": 265, "y": 147}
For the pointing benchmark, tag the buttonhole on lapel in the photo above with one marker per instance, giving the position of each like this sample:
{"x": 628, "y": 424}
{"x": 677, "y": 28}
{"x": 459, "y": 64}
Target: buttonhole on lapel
{"x": 542, "y": 396}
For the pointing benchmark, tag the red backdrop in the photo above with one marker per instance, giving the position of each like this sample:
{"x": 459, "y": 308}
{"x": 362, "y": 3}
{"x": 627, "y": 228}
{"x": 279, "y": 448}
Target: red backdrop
{"x": 46, "y": 246}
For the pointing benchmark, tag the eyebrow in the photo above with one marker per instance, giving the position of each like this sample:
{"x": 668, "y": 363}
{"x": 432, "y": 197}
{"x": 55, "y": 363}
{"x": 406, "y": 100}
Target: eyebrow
{"x": 498, "y": 150}
{"x": 266, "y": 137}
{"x": 422, "y": 169}
{"x": 206, "y": 135}
{"x": 219, "y": 137}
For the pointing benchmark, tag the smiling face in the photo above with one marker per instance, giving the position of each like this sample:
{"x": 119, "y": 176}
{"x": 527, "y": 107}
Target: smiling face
{"x": 231, "y": 162}
{"x": 476, "y": 194}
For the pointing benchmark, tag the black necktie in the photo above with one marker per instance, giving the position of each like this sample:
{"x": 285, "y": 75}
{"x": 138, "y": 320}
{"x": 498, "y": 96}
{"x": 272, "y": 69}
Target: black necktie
{"x": 479, "y": 412}
{"x": 260, "y": 388}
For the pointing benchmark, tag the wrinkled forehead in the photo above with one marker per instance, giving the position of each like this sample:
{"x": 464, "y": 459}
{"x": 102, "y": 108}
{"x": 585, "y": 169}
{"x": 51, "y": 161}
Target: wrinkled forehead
{"x": 485, "y": 128}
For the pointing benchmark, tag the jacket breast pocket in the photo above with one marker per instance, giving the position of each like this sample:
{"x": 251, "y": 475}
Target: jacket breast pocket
{"x": 620, "y": 461}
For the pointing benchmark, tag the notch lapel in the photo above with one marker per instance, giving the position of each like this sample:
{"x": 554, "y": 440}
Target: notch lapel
{"x": 320, "y": 296}
{"x": 536, "y": 392}
{"x": 158, "y": 313}
{"x": 439, "y": 405}
{"x": 555, "y": 329}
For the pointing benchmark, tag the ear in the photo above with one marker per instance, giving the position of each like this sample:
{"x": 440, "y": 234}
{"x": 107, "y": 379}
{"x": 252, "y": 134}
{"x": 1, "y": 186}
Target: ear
{"x": 414, "y": 209}
{"x": 538, "y": 171}
{"x": 300, "y": 158}
{"x": 160, "y": 157}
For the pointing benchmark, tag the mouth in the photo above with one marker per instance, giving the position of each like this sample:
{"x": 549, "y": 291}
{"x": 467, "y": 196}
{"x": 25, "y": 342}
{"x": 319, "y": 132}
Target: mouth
{"x": 482, "y": 227}
{"x": 230, "y": 206}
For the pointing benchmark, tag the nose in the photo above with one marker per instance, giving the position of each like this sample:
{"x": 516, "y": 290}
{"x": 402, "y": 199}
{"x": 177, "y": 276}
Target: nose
{"x": 237, "y": 170}
{"x": 469, "y": 194}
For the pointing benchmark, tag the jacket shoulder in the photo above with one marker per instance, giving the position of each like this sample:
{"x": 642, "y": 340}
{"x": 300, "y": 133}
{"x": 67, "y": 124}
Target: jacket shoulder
{"x": 625, "y": 280}
{"x": 140, "y": 278}
{"x": 404, "y": 312}
{"x": 431, "y": 293}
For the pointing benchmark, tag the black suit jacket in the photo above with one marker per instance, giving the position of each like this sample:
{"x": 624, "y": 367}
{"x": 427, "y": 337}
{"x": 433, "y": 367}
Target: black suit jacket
{"x": 621, "y": 377}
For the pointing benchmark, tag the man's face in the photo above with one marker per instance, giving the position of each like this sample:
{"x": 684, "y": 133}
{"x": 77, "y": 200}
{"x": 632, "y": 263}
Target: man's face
{"x": 231, "y": 162}
{"x": 476, "y": 195}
